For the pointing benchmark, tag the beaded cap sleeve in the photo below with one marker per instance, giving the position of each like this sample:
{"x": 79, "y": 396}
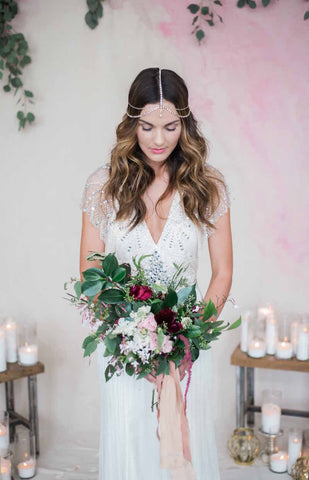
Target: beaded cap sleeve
{"x": 93, "y": 202}
{"x": 225, "y": 200}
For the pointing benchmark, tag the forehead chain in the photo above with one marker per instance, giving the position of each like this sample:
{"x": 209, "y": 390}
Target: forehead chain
{"x": 162, "y": 106}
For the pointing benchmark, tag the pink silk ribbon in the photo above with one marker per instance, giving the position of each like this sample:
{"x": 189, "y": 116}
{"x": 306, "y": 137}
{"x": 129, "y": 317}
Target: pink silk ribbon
{"x": 174, "y": 439}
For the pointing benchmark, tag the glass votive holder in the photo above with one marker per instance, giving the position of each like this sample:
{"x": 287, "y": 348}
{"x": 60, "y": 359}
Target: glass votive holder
{"x": 244, "y": 446}
{"x": 278, "y": 462}
{"x": 24, "y": 456}
{"x": 247, "y": 318}
{"x": 6, "y": 466}
{"x": 3, "y": 366}
{"x": 302, "y": 351}
{"x": 271, "y": 411}
{"x": 10, "y": 328}
{"x": 271, "y": 333}
{"x": 295, "y": 446}
{"x": 295, "y": 320}
{"x": 4, "y": 433}
{"x": 28, "y": 344}
{"x": 284, "y": 347}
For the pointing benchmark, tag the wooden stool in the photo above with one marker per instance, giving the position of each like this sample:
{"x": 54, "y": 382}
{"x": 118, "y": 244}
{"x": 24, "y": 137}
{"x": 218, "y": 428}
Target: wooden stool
{"x": 245, "y": 366}
{"x": 14, "y": 372}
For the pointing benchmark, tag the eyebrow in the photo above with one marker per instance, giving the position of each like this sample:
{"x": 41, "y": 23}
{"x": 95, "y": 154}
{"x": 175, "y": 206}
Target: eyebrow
{"x": 171, "y": 123}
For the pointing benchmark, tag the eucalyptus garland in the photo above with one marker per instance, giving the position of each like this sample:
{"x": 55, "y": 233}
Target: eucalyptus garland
{"x": 13, "y": 58}
{"x": 208, "y": 14}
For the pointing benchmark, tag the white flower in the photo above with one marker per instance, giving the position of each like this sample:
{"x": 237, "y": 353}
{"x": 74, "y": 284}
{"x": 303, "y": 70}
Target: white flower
{"x": 141, "y": 313}
{"x": 186, "y": 322}
{"x": 126, "y": 327}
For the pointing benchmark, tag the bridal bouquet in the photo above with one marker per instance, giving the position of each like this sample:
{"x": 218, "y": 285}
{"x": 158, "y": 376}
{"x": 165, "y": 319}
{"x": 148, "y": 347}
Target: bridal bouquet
{"x": 143, "y": 326}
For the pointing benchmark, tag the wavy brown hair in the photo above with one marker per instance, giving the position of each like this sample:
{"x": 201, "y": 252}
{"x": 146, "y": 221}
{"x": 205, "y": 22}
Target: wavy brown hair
{"x": 130, "y": 175}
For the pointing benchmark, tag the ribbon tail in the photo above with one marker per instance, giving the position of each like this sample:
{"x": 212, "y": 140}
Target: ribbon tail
{"x": 174, "y": 429}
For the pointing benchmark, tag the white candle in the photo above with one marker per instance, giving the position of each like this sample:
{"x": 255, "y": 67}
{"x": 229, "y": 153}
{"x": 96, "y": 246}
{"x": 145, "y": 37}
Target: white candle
{"x": 5, "y": 469}
{"x": 28, "y": 354}
{"x": 264, "y": 312}
{"x": 279, "y": 461}
{"x": 271, "y": 334}
{"x": 294, "y": 332}
{"x": 10, "y": 328}
{"x": 26, "y": 469}
{"x": 4, "y": 439}
{"x": 284, "y": 350}
{"x": 303, "y": 344}
{"x": 271, "y": 418}
{"x": 2, "y": 351}
{"x": 256, "y": 348}
{"x": 294, "y": 451}
{"x": 244, "y": 334}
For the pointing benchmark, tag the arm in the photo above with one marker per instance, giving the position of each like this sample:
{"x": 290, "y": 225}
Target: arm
{"x": 90, "y": 241}
{"x": 221, "y": 258}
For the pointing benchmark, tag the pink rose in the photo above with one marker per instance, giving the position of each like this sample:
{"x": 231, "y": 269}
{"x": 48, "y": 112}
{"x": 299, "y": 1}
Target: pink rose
{"x": 149, "y": 322}
{"x": 167, "y": 346}
{"x": 153, "y": 341}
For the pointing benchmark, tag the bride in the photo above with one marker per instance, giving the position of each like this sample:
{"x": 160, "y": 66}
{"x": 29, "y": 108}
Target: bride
{"x": 158, "y": 195}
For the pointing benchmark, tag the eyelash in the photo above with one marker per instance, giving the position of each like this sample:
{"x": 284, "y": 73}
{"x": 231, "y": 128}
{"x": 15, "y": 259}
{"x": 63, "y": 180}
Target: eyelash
{"x": 168, "y": 129}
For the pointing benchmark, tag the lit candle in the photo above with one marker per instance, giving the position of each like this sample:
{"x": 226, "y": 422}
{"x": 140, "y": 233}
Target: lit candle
{"x": 256, "y": 348}
{"x": 10, "y": 328}
{"x": 5, "y": 469}
{"x": 295, "y": 444}
{"x": 4, "y": 439}
{"x": 2, "y": 351}
{"x": 303, "y": 344}
{"x": 284, "y": 349}
{"x": 279, "y": 462}
{"x": 28, "y": 354}
{"x": 26, "y": 469}
{"x": 271, "y": 418}
{"x": 294, "y": 332}
{"x": 271, "y": 334}
{"x": 264, "y": 312}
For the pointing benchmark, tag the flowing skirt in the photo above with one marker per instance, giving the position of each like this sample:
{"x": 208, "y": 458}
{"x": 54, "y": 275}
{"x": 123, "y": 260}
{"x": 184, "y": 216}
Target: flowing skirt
{"x": 129, "y": 447}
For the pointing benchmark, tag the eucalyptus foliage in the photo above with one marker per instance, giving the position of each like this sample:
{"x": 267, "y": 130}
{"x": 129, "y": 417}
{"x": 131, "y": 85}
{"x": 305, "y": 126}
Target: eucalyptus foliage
{"x": 14, "y": 57}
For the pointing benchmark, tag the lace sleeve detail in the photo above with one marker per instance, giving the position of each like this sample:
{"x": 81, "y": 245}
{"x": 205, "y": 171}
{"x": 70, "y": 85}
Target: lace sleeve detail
{"x": 225, "y": 200}
{"x": 93, "y": 202}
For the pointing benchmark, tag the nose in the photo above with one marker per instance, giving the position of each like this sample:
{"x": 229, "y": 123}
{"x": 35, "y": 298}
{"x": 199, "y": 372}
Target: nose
{"x": 159, "y": 138}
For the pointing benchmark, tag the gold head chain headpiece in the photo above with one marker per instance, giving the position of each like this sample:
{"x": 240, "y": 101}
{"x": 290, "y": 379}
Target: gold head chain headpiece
{"x": 160, "y": 106}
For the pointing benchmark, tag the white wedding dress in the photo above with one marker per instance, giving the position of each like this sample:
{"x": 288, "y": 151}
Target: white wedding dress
{"x": 129, "y": 447}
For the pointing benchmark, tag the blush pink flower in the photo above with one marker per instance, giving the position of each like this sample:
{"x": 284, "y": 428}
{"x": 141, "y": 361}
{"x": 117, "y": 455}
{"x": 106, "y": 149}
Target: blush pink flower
{"x": 149, "y": 322}
{"x": 167, "y": 345}
{"x": 153, "y": 341}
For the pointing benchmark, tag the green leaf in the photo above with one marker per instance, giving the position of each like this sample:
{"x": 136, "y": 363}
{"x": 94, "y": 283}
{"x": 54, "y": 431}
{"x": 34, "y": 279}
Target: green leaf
{"x": 184, "y": 293}
{"x": 210, "y": 310}
{"x": 30, "y": 117}
{"x": 193, "y": 7}
{"x": 112, "y": 295}
{"x": 306, "y": 16}
{"x": 100, "y": 10}
{"x": 112, "y": 342}
{"x": 16, "y": 82}
{"x": 217, "y": 2}
{"x": 20, "y": 115}
{"x": 200, "y": 35}
{"x": 90, "y": 348}
{"x": 92, "y": 5}
{"x": 143, "y": 374}
{"x": 241, "y": 3}
{"x": 119, "y": 274}
{"x": 163, "y": 367}
{"x": 87, "y": 340}
{"x": 91, "y": 20}
{"x": 1, "y": 75}
{"x": 205, "y": 11}
{"x": 1, "y": 64}
{"x": 25, "y": 60}
{"x": 251, "y": 3}
{"x": 160, "y": 339}
{"x": 28, "y": 93}
{"x": 170, "y": 299}
{"x": 78, "y": 288}
{"x": 193, "y": 331}
{"x": 109, "y": 372}
{"x": 235, "y": 324}
{"x": 93, "y": 274}
{"x": 130, "y": 369}
{"x": 91, "y": 288}
{"x": 110, "y": 264}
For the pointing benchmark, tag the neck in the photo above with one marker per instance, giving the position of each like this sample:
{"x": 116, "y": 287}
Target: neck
{"x": 159, "y": 168}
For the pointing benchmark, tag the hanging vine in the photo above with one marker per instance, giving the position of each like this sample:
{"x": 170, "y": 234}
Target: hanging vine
{"x": 13, "y": 58}
{"x": 207, "y": 14}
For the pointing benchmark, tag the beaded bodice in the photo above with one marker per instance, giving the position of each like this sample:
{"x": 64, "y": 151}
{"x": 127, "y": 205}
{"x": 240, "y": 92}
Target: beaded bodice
{"x": 180, "y": 242}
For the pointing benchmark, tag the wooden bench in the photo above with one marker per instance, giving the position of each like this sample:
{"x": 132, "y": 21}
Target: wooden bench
{"x": 245, "y": 366}
{"x": 14, "y": 372}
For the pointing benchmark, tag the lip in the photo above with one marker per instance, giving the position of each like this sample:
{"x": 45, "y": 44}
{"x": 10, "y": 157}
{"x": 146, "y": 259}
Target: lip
{"x": 158, "y": 150}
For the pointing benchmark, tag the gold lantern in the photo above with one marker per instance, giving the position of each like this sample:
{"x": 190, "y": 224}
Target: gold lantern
{"x": 244, "y": 446}
{"x": 300, "y": 469}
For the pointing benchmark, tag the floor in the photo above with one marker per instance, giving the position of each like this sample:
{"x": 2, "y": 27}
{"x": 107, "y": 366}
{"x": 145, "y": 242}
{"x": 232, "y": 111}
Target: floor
{"x": 78, "y": 463}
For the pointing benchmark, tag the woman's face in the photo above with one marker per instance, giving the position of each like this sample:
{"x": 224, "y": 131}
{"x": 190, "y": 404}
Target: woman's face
{"x": 158, "y": 136}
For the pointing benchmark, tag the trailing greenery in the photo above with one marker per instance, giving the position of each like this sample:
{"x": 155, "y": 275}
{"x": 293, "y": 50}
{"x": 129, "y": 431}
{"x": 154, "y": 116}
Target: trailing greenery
{"x": 207, "y": 14}
{"x": 95, "y": 11}
{"x": 13, "y": 58}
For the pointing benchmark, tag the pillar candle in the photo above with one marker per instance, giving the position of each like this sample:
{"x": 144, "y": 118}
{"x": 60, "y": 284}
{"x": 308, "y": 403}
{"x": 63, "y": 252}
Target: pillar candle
{"x": 279, "y": 461}
{"x": 303, "y": 344}
{"x": 271, "y": 334}
{"x": 244, "y": 333}
{"x": 2, "y": 350}
{"x": 294, "y": 334}
{"x": 10, "y": 328}
{"x": 271, "y": 414}
{"x": 4, "y": 439}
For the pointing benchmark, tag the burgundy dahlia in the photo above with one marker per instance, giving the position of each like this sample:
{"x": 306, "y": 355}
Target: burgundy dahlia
{"x": 174, "y": 327}
{"x": 166, "y": 315}
{"x": 141, "y": 292}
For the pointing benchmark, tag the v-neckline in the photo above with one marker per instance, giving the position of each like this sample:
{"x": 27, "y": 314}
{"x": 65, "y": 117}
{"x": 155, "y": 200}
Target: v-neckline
{"x": 166, "y": 221}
